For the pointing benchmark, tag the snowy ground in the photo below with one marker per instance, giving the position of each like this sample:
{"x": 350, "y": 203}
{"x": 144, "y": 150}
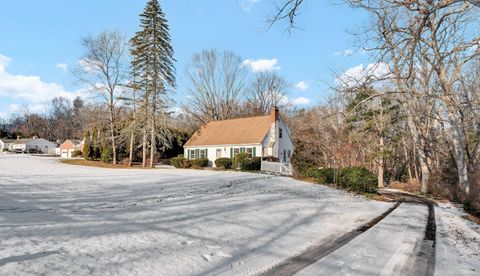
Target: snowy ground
{"x": 58, "y": 219}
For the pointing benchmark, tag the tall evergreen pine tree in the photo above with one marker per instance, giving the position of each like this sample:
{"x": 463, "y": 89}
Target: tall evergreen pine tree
{"x": 153, "y": 64}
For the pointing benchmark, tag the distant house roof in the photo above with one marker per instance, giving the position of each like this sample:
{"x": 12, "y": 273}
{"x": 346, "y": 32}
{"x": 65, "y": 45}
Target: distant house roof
{"x": 250, "y": 130}
{"x": 76, "y": 142}
{"x": 8, "y": 141}
{"x": 22, "y": 141}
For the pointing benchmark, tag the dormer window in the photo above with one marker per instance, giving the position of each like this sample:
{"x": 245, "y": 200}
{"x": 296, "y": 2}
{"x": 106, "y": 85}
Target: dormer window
{"x": 280, "y": 133}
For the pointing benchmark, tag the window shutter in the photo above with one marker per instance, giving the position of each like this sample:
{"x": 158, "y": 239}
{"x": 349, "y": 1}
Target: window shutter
{"x": 242, "y": 150}
{"x": 197, "y": 153}
{"x": 206, "y": 153}
{"x": 188, "y": 154}
{"x": 231, "y": 152}
{"x": 254, "y": 150}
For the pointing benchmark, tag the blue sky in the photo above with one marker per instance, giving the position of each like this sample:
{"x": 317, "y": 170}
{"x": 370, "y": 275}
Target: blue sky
{"x": 40, "y": 42}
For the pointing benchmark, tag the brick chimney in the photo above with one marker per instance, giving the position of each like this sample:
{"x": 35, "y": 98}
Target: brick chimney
{"x": 274, "y": 114}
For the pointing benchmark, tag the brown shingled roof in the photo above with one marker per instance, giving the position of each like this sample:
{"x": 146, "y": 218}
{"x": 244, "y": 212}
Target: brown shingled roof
{"x": 250, "y": 130}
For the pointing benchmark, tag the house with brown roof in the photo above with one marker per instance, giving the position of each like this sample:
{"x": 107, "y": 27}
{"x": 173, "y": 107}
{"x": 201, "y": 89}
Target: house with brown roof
{"x": 69, "y": 146}
{"x": 260, "y": 136}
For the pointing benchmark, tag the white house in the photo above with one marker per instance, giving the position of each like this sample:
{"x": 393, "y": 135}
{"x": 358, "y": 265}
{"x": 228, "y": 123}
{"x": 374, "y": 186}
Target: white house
{"x": 6, "y": 144}
{"x": 261, "y": 136}
{"x": 33, "y": 145}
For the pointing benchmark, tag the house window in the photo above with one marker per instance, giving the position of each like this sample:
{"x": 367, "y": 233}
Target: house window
{"x": 236, "y": 151}
{"x": 192, "y": 154}
{"x": 203, "y": 153}
{"x": 250, "y": 151}
{"x": 219, "y": 153}
{"x": 280, "y": 133}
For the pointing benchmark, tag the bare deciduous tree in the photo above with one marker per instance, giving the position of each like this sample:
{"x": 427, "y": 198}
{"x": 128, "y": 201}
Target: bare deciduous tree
{"x": 102, "y": 71}
{"x": 266, "y": 91}
{"x": 217, "y": 81}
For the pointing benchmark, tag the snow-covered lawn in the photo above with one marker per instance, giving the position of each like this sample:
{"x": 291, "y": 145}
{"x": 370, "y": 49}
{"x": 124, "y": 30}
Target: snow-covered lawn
{"x": 59, "y": 219}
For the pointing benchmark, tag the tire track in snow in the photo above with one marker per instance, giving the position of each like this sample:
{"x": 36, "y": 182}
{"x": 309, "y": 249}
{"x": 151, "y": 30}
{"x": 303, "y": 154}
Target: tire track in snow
{"x": 423, "y": 264}
{"x": 312, "y": 255}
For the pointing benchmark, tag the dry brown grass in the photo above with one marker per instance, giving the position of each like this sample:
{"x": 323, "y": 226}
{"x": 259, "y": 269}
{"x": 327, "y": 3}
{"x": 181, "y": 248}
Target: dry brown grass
{"x": 99, "y": 164}
{"x": 410, "y": 187}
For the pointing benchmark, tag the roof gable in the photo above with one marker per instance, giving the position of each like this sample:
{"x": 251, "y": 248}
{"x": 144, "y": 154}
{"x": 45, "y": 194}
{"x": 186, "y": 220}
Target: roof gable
{"x": 250, "y": 130}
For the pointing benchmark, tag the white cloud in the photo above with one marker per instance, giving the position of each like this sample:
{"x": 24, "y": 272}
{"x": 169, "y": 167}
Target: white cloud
{"x": 30, "y": 89}
{"x": 262, "y": 65}
{"x": 302, "y": 85}
{"x": 344, "y": 53}
{"x": 176, "y": 110}
{"x": 62, "y": 66}
{"x": 4, "y": 61}
{"x": 32, "y": 108}
{"x": 295, "y": 101}
{"x": 247, "y": 5}
{"x": 360, "y": 74}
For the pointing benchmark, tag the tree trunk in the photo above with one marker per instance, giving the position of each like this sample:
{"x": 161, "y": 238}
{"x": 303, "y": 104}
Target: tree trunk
{"x": 419, "y": 147}
{"x": 405, "y": 152}
{"x": 462, "y": 165}
{"x": 130, "y": 156}
{"x": 153, "y": 132}
{"x": 381, "y": 164}
{"x": 112, "y": 132}
{"x": 144, "y": 148}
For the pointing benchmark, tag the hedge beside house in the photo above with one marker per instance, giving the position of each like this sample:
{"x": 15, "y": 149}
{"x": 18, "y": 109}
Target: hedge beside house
{"x": 239, "y": 159}
{"x": 224, "y": 162}
{"x": 251, "y": 164}
{"x": 180, "y": 162}
{"x": 199, "y": 162}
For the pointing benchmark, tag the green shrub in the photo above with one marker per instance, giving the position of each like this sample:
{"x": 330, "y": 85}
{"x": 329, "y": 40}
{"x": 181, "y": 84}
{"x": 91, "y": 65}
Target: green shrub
{"x": 199, "y": 162}
{"x": 224, "y": 162}
{"x": 5, "y": 149}
{"x": 471, "y": 207}
{"x": 76, "y": 153}
{"x": 357, "y": 179}
{"x": 107, "y": 154}
{"x": 180, "y": 162}
{"x": 251, "y": 164}
{"x": 324, "y": 176}
{"x": 177, "y": 161}
{"x": 238, "y": 159}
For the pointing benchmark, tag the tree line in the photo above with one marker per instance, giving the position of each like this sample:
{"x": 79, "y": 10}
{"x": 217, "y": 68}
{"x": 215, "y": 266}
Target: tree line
{"x": 413, "y": 114}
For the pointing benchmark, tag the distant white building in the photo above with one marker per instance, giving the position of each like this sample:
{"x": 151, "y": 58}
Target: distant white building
{"x": 6, "y": 144}
{"x": 261, "y": 136}
{"x": 33, "y": 145}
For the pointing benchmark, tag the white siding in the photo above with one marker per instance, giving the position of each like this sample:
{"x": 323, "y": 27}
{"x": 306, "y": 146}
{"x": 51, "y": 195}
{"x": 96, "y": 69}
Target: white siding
{"x": 285, "y": 144}
{"x": 42, "y": 145}
{"x": 279, "y": 144}
{"x": 225, "y": 151}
